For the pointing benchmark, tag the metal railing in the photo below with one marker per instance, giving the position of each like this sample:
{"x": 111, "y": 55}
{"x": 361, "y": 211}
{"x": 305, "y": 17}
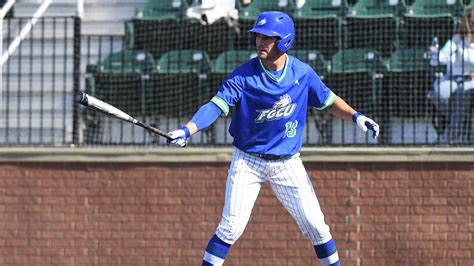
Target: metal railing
{"x": 38, "y": 84}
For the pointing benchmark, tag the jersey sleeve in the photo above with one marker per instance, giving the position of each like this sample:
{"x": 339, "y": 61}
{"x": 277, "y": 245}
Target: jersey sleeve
{"x": 206, "y": 115}
{"x": 229, "y": 93}
{"x": 319, "y": 95}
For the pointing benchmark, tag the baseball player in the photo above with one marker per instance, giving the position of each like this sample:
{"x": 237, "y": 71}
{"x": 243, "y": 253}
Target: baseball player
{"x": 271, "y": 94}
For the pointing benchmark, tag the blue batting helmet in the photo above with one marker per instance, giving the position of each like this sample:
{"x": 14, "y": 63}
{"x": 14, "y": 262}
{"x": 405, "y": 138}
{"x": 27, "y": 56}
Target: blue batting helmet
{"x": 278, "y": 24}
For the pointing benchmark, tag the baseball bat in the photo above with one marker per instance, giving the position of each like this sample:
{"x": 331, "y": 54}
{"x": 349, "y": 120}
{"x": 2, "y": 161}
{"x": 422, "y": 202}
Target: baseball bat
{"x": 94, "y": 103}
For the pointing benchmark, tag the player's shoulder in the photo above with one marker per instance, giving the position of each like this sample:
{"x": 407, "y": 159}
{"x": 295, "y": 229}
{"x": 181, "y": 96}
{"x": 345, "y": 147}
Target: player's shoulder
{"x": 248, "y": 68}
{"x": 300, "y": 67}
{"x": 296, "y": 63}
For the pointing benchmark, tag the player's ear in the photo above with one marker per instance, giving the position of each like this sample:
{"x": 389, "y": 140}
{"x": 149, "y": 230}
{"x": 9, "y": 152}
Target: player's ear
{"x": 277, "y": 42}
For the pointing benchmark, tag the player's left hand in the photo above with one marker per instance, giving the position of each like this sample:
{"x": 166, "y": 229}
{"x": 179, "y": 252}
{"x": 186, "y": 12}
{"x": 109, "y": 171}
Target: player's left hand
{"x": 364, "y": 123}
{"x": 179, "y": 137}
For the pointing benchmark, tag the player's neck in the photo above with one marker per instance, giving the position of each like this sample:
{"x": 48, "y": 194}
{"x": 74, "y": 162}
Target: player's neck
{"x": 275, "y": 64}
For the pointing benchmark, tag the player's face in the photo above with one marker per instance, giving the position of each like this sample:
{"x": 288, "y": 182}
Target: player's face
{"x": 266, "y": 47}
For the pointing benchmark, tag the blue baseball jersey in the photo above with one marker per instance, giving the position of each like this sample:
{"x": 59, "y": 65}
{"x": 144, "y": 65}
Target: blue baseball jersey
{"x": 270, "y": 113}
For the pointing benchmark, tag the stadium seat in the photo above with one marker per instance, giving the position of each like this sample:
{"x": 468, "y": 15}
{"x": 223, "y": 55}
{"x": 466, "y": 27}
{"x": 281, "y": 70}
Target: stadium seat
{"x": 248, "y": 14}
{"x": 251, "y": 11}
{"x": 213, "y": 39}
{"x": 162, "y": 10}
{"x": 425, "y": 19}
{"x": 179, "y": 86}
{"x": 356, "y": 61}
{"x": 225, "y": 63}
{"x": 408, "y": 60}
{"x": 322, "y": 9}
{"x": 356, "y": 76}
{"x": 154, "y": 36}
{"x": 119, "y": 80}
{"x": 435, "y": 8}
{"x": 406, "y": 82}
{"x": 408, "y": 78}
{"x": 318, "y": 25}
{"x": 128, "y": 61}
{"x": 184, "y": 61}
{"x": 314, "y": 59}
{"x": 156, "y": 26}
{"x": 375, "y": 24}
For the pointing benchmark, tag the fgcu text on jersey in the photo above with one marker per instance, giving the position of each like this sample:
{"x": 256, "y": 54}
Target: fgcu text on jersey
{"x": 281, "y": 109}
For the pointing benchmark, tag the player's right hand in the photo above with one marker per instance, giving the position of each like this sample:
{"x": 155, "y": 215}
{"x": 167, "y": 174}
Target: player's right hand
{"x": 179, "y": 137}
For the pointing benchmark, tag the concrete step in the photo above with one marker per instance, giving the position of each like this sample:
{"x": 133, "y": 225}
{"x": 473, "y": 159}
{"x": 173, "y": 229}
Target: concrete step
{"x": 57, "y": 103}
{"x": 47, "y": 65}
{"x": 100, "y": 17}
{"x": 35, "y": 121}
{"x": 38, "y": 83}
{"x": 88, "y": 27}
{"x": 38, "y": 65}
{"x": 44, "y": 29}
{"x": 93, "y": 10}
{"x": 35, "y": 84}
{"x": 56, "y": 136}
{"x": 91, "y": 47}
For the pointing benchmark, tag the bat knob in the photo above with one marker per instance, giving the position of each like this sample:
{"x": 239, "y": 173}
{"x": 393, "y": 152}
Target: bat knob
{"x": 81, "y": 98}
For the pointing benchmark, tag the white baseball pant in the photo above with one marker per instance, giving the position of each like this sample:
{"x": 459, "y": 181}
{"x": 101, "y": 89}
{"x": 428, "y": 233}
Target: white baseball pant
{"x": 290, "y": 183}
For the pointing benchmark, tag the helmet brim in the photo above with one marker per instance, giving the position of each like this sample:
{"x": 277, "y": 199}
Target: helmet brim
{"x": 265, "y": 32}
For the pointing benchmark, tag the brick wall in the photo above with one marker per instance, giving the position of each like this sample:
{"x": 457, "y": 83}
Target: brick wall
{"x": 164, "y": 214}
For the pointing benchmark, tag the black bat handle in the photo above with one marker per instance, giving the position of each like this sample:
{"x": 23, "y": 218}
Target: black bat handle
{"x": 154, "y": 130}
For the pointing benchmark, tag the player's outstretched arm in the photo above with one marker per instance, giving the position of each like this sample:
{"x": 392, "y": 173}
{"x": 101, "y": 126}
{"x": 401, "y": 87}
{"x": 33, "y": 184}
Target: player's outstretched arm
{"x": 204, "y": 117}
{"x": 342, "y": 110}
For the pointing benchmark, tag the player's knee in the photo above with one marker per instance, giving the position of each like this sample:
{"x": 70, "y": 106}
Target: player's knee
{"x": 230, "y": 231}
{"x": 316, "y": 232}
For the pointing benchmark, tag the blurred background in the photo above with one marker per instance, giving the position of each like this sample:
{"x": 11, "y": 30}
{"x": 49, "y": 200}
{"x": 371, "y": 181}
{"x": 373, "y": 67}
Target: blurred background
{"x": 159, "y": 60}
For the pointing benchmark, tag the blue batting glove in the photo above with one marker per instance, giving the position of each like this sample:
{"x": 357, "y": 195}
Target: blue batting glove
{"x": 365, "y": 123}
{"x": 179, "y": 136}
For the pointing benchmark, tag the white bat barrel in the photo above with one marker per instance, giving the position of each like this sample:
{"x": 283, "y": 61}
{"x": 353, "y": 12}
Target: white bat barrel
{"x": 107, "y": 108}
